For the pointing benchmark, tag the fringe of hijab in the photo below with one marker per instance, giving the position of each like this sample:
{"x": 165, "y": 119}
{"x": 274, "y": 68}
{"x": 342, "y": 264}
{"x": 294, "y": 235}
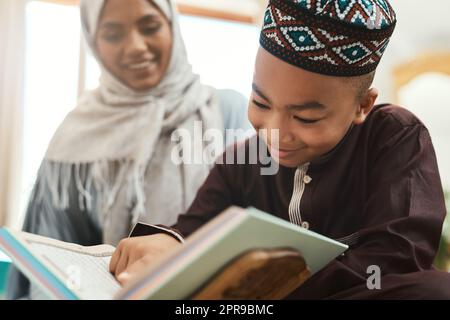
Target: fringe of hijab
{"x": 102, "y": 178}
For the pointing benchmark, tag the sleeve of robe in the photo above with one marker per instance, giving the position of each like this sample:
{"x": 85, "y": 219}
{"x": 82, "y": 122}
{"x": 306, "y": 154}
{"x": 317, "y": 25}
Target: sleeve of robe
{"x": 71, "y": 225}
{"x": 218, "y": 193}
{"x": 403, "y": 215}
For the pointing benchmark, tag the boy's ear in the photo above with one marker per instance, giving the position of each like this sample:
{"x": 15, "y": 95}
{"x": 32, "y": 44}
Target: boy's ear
{"x": 366, "y": 104}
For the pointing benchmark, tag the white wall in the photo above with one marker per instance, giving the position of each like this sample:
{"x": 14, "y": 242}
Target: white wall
{"x": 422, "y": 26}
{"x": 428, "y": 97}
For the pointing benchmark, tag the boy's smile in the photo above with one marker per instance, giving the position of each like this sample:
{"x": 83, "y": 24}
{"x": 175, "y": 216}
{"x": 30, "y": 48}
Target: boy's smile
{"x": 310, "y": 112}
{"x": 280, "y": 153}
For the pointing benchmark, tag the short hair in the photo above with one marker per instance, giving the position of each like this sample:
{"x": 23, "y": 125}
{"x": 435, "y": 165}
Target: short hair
{"x": 361, "y": 84}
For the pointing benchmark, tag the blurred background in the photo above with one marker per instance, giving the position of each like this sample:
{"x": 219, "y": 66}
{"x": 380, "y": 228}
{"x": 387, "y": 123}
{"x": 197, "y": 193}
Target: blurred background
{"x": 44, "y": 66}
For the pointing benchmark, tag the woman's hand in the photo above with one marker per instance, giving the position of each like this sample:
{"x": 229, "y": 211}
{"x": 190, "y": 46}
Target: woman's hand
{"x": 136, "y": 255}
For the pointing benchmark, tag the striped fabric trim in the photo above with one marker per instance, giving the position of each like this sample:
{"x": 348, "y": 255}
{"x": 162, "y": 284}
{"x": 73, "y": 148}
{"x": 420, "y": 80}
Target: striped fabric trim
{"x": 299, "y": 188}
{"x": 169, "y": 230}
{"x": 350, "y": 239}
{"x": 155, "y": 229}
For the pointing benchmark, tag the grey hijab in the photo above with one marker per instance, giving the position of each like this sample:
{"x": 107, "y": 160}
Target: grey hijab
{"x": 127, "y": 139}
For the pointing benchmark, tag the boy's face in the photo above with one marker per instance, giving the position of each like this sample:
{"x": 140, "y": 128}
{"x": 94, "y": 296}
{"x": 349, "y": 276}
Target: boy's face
{"x": 312, "y": 112}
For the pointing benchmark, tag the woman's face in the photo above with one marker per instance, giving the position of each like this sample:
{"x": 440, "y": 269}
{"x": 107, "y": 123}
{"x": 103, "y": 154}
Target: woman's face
{"x": 134, "y": 42}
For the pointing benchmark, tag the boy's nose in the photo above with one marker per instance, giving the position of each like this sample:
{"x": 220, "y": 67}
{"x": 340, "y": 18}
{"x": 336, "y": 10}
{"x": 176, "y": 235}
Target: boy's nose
{"x": 286, "y": 137}
{"x": 280, "y": 136}
{"x": 279, "y": 130}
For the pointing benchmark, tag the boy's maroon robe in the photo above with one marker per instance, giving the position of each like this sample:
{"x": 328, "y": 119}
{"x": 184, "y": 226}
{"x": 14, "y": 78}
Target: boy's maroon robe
{"x": 379, "y": 191}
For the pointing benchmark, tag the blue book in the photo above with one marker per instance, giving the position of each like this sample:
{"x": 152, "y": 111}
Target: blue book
{"x": 4, "y": 266}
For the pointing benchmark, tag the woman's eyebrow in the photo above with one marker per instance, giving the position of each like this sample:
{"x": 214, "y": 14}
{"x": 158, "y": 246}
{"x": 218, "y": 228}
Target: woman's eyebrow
{"x": 148, "y": 18}
{"x": 260, "y": 93}
{"x": 117, "y": 25}
{"x": 111, "y": 25}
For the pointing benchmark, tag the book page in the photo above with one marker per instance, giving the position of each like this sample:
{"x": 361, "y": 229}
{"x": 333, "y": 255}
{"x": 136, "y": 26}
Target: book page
{"x": 84, "y": 270}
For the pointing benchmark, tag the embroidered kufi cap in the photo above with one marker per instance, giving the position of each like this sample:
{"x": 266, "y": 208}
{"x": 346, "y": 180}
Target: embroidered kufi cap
{"x": 331, "y": 37}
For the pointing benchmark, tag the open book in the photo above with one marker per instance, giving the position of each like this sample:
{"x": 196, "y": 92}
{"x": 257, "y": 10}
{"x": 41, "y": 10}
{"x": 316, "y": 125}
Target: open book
{"x": 69, "y": 271}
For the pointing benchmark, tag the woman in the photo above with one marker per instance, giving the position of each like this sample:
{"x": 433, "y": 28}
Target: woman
{"x": 110, "y": 163}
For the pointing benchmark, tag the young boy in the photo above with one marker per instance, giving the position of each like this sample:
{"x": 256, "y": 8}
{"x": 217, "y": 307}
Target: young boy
{"x": 362, "y": 174}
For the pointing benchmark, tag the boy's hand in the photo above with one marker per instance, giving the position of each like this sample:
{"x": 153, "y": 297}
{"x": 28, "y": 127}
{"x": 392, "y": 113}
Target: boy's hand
{"x": 134, "y": 255}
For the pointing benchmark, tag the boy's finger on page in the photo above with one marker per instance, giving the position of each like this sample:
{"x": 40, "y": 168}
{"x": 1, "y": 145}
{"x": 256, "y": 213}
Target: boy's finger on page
{"x": 114, "y": 260}
{"x": 124, "y": 278}
{"x": 134, "y": 270}
{"x": 122, "y": 264}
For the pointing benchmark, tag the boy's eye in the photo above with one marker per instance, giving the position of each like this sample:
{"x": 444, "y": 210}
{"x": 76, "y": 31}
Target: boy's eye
{"x": 305, "y": 121}
{"x": 260, "y": 105}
